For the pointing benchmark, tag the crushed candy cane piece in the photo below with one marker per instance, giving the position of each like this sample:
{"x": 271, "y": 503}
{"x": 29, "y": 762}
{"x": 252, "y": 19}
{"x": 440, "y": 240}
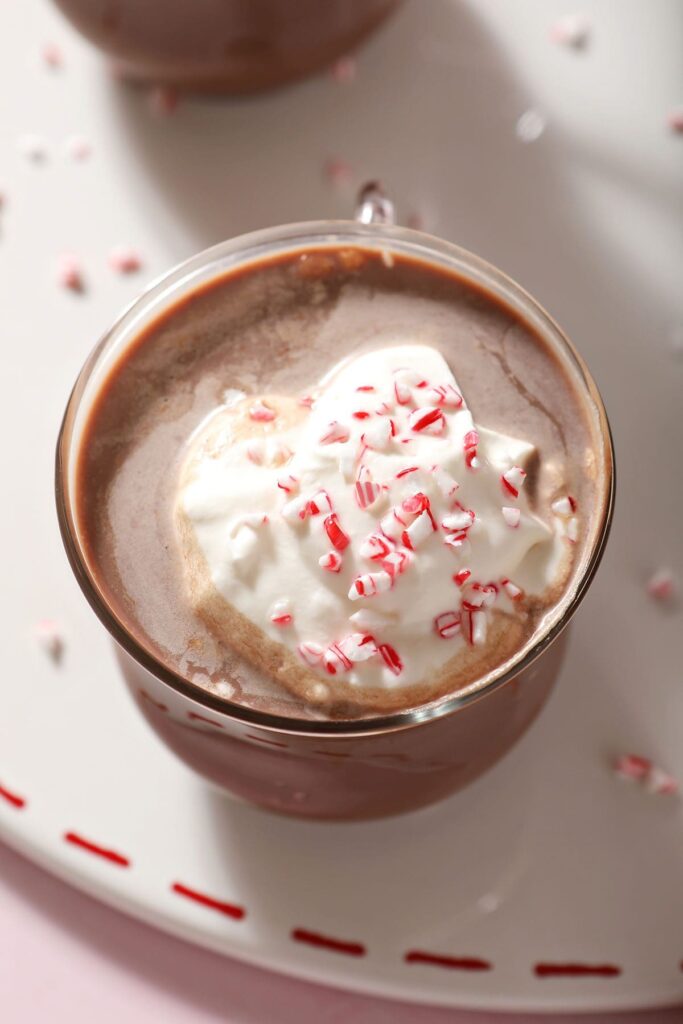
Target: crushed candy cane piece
{"x": 419, "y": 530}
{"x": 331, "y": 562}
{"x": 514, "y": 592}
{"x": 50, "y": 637}
{"x": 512, "y": 516}
{"x": 344, "y": 70}
{"x": 470, "y": 443}
{"x": 52, "y": 55}
{"x": 376, "y": 546}
{"x": 513, "y": 479}
{"x": 572, "y": 530}
{"x": 660, "y": 782}
{"x": 124, "y": 259}
{"x": 447, "y": 624}
{"x": 281, "y": 612}
{"x": 317, "y": 505}
{"x": 474, "y": 626}
{"x": 335, "y": 660}
{"x": 288, "y": 483}
{"x": 261, "y": 412}
{"x": 461, "y": 519}
{"x": 358, "y": 647}
{"x": 311, "y": 653}
{"x": 367, "y": 491}
{"x": 391, "y": 658}
{"x": 294, "y": 511}
{"x": 427, "y": 420}
{"x": 445, "y": 395}
{"x": 335, "y": 432}
{"x": 377, "y": 435}
{"x": 163, "y": 100}
{"x": 632, "y": 766}
{"x": 338, "y": 539}
{"x": 661, "y": 586}
{"x": 444, "y": 481}
{"x": 654, "y": 779}
{"x": 396, "y": 563}
{"x": 70, "y": 272}
{"x": 572, "y": 30}
{"x": 369, "y": 584}
{"x": 565, "y": 506}
{"x": 461, "y": 577}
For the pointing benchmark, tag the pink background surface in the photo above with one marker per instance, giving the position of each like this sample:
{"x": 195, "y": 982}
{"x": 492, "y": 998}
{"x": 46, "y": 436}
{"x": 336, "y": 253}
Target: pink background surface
{"x": 64, "y": 957}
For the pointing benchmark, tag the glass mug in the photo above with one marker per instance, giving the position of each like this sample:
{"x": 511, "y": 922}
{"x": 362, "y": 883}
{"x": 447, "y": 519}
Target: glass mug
{"x": 336, "y": 769}
{"x": 224, "y": 45}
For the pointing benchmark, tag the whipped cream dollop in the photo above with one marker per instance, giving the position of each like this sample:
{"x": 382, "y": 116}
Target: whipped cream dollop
{"x": 375, "y": 532}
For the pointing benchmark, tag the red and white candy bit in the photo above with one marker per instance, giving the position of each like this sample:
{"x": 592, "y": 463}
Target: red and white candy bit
{"x": 255, "y": 452}
{"x": 358, "y": 647}
{"x": 343, "y": 70}
{"x": 571, "y": 30}
{"x": 564, "y": 507}
{"x": 512, "y": 516}
{"x": 361, "y": 414}
{"x": 447, "y": 624}
{"x": 52, "y": 55}
{"x": 456, "y": 540}
{"x": 514, "y": 592}
{"x": 295, "y": 510}
{"x": 369, "y": 584}
{"x": 384, "y": 408}
{"x": 338, "y": 539}
{"x": 427, "y": 420}
{"x": 474, "y": 625}
{"x": 288, "y": 483}
{"x": 377, "y": 435}
{"x": 512, "y": 480}
{"x": 460, "y": 519}
{"x": 635, "y": 768}
{"x": 311, "y": 653}
{"x": 479, "y": 595}
{"x": 402, "y": 392}
{"x": 675, "y": 120}
{"x": 49, "y": 636}
{"x": 394, "y": 523}
{"x": 444, "y": 395}
{"x": 163, "y": 100}
{"x": 281, "y": 612}
{"x": 661, "y": 782}
{"x": 306, "y": 401}
{"x": 376, "y": 546}
{"x": 331, "y": 562}
{"x": 335, "y": 432}
{"x": 391, "y": 658}
{"x": 419, "y": 530}
{"x": 366, "y": 490}
{"x": 407, "y": 471}
{"x": 460, "y": 578}
{"x": 396, "y": 563}
{"x": 317, "y": 505}
{"x": 70, "y": 273}
{"x": 572, "y": 530}
{"x": 124, "y": 259}
{"x": 470, "y": 443}
{"x": 335, "y": 661}
{"x": 261, "y": 412}
{"x": 365, "y": 387}
{"x": 661, "y": 586}
{"x": 444, "y": 481}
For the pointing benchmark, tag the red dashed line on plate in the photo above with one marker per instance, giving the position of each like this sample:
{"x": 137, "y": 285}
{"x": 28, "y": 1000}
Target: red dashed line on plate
{"x": 574, "y": 970}
{"x": 456, "y": 963}
{"x": 12, "y": 798}
{"x": 99, "y": 851}
{"x": 229, "y": 909}
{"x": 327, "y": 942}
{"x": 194, "y": 717}
{"x": 260, "y": 739}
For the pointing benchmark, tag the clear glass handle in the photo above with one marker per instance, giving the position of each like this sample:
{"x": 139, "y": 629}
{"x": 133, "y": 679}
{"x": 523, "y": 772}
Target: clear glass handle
{"x": 372, "y": 205}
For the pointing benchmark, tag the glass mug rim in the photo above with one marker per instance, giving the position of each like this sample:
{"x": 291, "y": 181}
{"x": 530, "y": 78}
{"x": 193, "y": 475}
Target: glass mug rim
{"x": 220, "y": 261}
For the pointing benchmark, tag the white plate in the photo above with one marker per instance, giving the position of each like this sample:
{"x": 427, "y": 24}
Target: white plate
{"x": 548, "y": 859}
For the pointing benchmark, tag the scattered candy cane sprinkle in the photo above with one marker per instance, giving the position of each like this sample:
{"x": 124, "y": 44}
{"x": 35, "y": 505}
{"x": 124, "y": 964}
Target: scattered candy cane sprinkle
{"x": 512, "y": 480}
{"x": 675, "y": 120}
{"x": 163, "y": 100}
{"x": 338, "y": 539}
{"x": 447, "y": 625}
{"x": 343, "y": 70}
{"x": 391, "y": 658}
{"x": 70, "y": 272}
{"x": 288, "y": 483}
{"x": 634, "y": 768}
{"x": 512, "y": 516}
{"x": 52, "y": 56}
{"x": 470, "y": 446}
{"x": 335, "y": 433}
{"x": 366, "y": 490}
{"x": 33, "y": 147}
{"x": 281, "y": 612}
{"x": 49, "y": 636}
{"x": 337, "y": 171}
{"x": 311, "y": 653}
{"x": 77, "y": 148}
{"x": 530, "y": 126}
{"x": 565, "y": 506}
{"x": 331, "y": 562}
{"x": 124, "y": 259}
{"x": 573, "y": 30}
{"x": 369, "y": 584}
{"x": 514, "y": 592}
{"x": 662, "y": 585}
{"x": 261, "y": 412}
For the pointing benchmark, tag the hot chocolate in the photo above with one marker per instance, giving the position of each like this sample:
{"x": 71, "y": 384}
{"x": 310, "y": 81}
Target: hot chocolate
{"x": 337, "y": 484}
